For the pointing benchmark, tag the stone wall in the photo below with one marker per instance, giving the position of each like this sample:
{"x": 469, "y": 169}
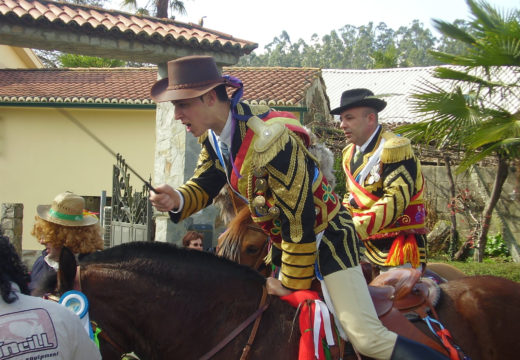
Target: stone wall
{"x": 12, "y": 224}
{"x": 477, "y": 183}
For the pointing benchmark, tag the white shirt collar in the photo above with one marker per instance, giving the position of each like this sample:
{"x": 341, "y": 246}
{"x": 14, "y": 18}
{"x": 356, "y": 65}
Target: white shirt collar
{"x": 52, "y": 263}
{"x": 365, "y": 145}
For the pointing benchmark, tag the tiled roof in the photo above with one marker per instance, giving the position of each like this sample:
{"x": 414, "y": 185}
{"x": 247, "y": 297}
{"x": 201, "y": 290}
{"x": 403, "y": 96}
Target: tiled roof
{"x": 272, "y": 86}
{"x": 396, "y": 86}
{"x": 88, "y": 19}
{"x": 91, "y": 85}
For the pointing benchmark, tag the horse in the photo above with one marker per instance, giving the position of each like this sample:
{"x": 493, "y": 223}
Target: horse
{"x": 162, "y": 302}
{"x": 476, "y": 331}
{"x": 158, "y": 301}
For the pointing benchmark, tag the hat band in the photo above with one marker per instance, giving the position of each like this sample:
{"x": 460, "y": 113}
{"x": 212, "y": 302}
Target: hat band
{"x": 191, "y": 85}
{"x": 63, "y": 216}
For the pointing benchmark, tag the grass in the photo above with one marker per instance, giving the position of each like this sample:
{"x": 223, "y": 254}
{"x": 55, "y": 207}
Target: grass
{"x": 498, "y": 266}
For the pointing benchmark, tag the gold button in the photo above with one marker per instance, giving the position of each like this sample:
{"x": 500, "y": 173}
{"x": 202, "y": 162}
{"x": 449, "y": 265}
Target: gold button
{"x": 259, "y": 201}
{"x": 274, "y": 211}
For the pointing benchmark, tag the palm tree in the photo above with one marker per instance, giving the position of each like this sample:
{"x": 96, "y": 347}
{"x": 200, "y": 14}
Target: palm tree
{"x": 161, "y": 7}
{"x": 474, "y": 113}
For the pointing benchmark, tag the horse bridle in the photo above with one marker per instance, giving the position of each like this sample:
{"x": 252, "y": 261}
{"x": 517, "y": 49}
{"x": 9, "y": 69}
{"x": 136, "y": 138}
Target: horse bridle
{"x": 256, "y": 317}
{"x": 260, "y": 264}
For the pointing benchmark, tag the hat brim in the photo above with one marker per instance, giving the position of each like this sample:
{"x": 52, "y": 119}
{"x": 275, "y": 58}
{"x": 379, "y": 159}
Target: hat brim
{"x": 43, "y": 212}
{"x": 161, "y": 93}
{"x": 374, "y": 103}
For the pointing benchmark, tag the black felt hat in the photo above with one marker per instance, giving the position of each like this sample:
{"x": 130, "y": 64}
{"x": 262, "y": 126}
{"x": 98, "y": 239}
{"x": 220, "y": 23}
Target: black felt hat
{"x": 357, "y": 98}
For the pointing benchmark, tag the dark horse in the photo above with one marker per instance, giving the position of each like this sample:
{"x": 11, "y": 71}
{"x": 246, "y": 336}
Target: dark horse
{"x": 163, "y": 302}
{"x": 481, "y": 312}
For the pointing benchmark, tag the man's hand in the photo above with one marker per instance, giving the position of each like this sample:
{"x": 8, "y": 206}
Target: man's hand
{"x": 165, "y": 199}
{"x": 275, "y": 287}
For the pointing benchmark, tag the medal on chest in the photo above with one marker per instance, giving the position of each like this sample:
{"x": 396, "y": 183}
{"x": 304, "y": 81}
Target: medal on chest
{"x": 373, "y": 176}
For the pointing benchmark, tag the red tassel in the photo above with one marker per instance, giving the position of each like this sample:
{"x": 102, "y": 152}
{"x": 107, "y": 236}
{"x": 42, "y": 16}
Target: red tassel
{"x": 403, "y": 250}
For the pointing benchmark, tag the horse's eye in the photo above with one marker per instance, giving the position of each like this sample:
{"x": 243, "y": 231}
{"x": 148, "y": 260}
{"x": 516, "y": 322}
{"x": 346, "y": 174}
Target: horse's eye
{"x": 251, "y": 250}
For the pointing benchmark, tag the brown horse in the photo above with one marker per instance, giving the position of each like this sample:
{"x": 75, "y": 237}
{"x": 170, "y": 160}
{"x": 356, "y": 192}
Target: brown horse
{"x": 481, "y": 312}
{"x": 162, "y": 302}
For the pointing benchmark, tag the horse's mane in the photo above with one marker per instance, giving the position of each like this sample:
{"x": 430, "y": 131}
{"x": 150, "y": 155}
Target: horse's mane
{"x": 163, "y": 259}
{"x": 230, "y": 240}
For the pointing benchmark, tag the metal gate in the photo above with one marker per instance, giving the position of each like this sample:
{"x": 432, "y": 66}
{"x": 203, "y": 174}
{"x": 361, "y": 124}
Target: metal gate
{"x": 132, "y": 214}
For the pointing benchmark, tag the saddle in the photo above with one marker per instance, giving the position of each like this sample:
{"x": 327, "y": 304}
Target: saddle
{"x": 401, "y": 296}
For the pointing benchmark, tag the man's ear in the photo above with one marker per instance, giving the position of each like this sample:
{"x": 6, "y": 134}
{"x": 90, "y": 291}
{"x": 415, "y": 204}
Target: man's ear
{"x": 211, "y": 97}
{"x": 372, "y": 118}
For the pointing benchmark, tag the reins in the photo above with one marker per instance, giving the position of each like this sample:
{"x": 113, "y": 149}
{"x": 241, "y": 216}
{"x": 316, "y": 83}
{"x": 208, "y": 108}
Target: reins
{"x": 256, "y": 317}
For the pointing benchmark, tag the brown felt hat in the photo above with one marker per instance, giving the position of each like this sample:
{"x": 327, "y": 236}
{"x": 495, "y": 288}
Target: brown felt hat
{"x": 359, "y": 98}
{"x": 67, "y": 210}
{"x": 188, "y": 77}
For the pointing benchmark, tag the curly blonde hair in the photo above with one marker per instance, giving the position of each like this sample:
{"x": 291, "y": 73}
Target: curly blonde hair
{"x": 79, "y": 239}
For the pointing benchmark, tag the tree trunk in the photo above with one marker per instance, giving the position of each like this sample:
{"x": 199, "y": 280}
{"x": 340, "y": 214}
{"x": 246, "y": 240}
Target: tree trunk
{"x": 454, "y": 235}
{"x": 162, "y": 8}
{"x": 500, "y": 178}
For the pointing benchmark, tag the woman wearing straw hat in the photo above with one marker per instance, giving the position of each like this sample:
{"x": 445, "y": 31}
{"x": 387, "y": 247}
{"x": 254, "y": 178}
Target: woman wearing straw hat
{"x": 64, "y": 223}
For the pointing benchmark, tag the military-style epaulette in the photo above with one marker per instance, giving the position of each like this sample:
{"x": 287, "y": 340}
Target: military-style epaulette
{"x": 396, "y": 148}
{"x": 253, "y": 110}
{"x": 271, "y": 138}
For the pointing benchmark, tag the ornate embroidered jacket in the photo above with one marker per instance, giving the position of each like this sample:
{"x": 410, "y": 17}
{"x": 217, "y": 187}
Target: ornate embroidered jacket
{"x": 288, "y": 196}
{"x": 385, "y": 197}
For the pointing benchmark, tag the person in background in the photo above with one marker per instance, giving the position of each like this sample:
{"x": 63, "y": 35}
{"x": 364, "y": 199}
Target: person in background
{"x": 34, "y": 328}
{"x": 385, "y": 185}
{"x": 193, "y": 240}
{"x": 262, "y": 154}
{"x": 63, "y": 223}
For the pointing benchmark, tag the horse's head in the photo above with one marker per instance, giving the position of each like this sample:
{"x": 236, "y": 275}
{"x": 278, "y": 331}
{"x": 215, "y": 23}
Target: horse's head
{"x": 244, "y": 242}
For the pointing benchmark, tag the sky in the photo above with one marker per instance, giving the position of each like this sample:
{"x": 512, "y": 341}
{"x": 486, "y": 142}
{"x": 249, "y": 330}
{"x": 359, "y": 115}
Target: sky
{"x": 262, "y": 21}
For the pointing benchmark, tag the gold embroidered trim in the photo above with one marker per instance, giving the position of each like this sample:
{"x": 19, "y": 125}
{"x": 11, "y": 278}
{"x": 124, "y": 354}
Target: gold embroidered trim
{"x": 395, "y": 149}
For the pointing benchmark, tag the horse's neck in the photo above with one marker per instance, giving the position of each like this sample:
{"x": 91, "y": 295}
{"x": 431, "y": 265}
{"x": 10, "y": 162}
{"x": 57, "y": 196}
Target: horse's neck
{"x": 137, "y": 311}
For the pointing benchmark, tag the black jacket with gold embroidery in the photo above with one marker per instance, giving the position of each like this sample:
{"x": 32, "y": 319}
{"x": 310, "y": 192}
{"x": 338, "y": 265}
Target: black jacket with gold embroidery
{"x": 288, "y": 196}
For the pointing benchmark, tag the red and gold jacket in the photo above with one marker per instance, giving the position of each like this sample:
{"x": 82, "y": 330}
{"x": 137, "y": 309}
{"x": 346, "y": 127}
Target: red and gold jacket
{"x": 385, "y": 197}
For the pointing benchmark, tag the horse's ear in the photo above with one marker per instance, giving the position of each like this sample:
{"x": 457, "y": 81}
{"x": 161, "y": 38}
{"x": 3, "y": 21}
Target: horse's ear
{"x": 66, "y": 271}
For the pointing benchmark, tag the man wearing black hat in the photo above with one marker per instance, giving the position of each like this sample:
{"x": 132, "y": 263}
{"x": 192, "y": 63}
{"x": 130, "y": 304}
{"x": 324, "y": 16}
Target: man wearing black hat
{"x": 262, "y": 154}
{"x": 384, "y": 184}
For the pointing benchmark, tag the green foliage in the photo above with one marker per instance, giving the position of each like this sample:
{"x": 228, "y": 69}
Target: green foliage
{"x": 495, "y": 246}
{"x": 340, "y": 188}
{"x": 72, "y": 60}
{"x": 351, "y": 47}
{"x": 496, "y": 267}
{"x": 466, "y": 112}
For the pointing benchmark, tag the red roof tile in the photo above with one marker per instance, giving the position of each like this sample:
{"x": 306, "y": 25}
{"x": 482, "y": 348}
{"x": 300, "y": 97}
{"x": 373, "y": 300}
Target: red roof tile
{"x": 277, "y": 85}
{"x": 114, "y": 85}
{"x": 274, "y": 86}
{"x": 46, "y": 13}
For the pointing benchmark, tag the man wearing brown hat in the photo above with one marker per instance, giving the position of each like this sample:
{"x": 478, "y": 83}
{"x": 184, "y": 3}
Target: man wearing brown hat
{"x": 384, "y": 184}
{"x": 262, "y": 154}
